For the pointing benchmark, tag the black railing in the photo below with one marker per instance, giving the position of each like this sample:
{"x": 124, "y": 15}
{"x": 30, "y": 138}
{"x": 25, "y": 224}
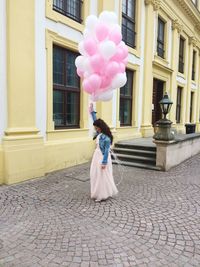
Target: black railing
{"x": 160, "y": 49}
{"x": 68, "y": 8}
{"x": 193, "y": 75}
{"x": 129, "y": 36}
{"x": 181, "y": 66}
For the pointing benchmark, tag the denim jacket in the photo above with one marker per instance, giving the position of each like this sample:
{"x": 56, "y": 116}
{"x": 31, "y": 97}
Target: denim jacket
{"x": 104, "y": 142}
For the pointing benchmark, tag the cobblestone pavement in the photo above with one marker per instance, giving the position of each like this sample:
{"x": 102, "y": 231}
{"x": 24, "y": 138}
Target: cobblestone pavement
{"x": 154, "y": 221}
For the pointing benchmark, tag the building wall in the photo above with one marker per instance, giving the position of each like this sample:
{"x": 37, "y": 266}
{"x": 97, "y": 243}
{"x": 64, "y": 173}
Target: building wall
{"x": 3, "y": 101}
{"x": 31, "y": 146}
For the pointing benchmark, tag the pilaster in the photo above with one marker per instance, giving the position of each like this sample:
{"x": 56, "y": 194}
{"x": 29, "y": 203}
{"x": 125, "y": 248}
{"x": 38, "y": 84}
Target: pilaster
{"x": 22, "y": 146}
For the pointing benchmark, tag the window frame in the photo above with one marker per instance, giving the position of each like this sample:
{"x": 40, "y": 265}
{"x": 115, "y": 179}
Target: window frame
{"x": 66, "y": 89}
{"x": 195, "y": 3}
{"x": 181, "y": 63}
{"x": 129, "y": 98}
{"x": 131, "y": 20}
{"x": 194, "y": 65}
{"x": 191, "y": 105}
{"x": 159, "y": 41}
{"x": 64, "y": 11}
{"x": 179, "y": 105}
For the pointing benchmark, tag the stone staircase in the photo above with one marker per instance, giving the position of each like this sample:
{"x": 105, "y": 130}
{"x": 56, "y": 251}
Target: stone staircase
{"x": 135, "y": 155}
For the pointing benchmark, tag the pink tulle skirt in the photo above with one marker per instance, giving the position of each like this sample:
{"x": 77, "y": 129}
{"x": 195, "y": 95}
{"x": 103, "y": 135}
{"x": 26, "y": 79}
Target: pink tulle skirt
{"x": 101, "y": 180}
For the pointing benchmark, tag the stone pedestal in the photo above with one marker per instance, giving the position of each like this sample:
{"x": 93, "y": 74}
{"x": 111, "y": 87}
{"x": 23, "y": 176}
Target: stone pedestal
{"x": 163, "y": 131}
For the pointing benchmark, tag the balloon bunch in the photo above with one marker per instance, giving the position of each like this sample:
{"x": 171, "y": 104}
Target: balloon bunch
{"x": 103, "y": 57}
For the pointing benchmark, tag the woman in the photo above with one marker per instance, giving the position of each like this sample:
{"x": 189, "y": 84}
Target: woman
{"x": 101, "y": 173}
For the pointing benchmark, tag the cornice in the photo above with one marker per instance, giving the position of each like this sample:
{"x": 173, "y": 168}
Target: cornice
{"x": 191, "y": 11}
{"x": 193, "y": 40}
{"x": 177, "y": 25}
{"x": 155, "y": 3}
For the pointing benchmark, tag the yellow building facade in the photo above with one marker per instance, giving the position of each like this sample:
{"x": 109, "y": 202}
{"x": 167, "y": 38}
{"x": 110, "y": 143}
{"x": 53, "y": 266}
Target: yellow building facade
{"x": 44, "y": 119}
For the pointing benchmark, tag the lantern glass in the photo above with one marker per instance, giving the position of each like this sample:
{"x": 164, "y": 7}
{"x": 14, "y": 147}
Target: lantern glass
{"x": 165, "y": 105}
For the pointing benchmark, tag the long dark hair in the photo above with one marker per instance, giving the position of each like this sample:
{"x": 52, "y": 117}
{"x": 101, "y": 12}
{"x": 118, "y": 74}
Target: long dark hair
{"x": 104, "y": 128}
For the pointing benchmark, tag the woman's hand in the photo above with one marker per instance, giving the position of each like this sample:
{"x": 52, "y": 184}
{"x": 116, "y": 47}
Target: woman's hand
{"x": 91, "y": 108}
{"x": 103, "y": 166}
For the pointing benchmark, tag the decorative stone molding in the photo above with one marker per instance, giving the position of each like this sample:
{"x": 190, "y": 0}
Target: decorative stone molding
{"x": 156, "y": 3}
{"x": 193, "y": 40}
{"x": 177, "y": 25}
{"x": 197, "y": 27}
{"x": 190, "y": 10}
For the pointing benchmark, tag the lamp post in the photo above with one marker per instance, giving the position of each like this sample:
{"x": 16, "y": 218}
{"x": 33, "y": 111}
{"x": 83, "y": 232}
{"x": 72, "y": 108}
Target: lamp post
{"x": 164, "y": 125}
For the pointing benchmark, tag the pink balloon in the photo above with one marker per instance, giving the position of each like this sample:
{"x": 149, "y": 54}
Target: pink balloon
{"x": 97, "y": 63}
{"x": 124, "y": 48}
{"x": 125, "y": 51}
{"x": 125, "y": 61}
{"x": 119, "y": 55}
{"x": 122, "y": 53}
{"x": 106, "y": 81}
{"x": 88, "y": 87}
{"x": 101, "y": 31}
{"x": 115, "y": 36}
{"x": 112, "y": 68}
{"x": 90, "y": 46}
{"x": 95, "y": 81}
{"x": 80, "y": 73}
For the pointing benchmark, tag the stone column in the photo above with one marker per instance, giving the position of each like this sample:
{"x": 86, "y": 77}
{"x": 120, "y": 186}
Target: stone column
{"x": 146, "y": 127}
{"x": 192, "y": 42}
{"x": 177, "y": 28}
{"x": 198, "y": 90}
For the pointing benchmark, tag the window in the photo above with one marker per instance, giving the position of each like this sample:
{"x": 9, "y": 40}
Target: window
{"x": 193, "y": 65}
{"x": 160, "y": 38}
{"x": 66, "y": 89}
{"x": 128, "y": 22}
{"x": 126, "y": 100}
{"x": 181, "y": 55}
{"x": 195, "y": 2}
{"x": 191, "y": 106}
{"x": 178, "y": 104}
{"x": 69, "y": 8}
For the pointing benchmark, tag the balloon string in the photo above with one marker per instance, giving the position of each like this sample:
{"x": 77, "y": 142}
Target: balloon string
{"x": 121, "y": 167}
{"x": 117, "y": 160}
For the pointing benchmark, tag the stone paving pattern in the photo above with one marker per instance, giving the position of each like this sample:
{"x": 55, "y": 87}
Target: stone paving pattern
{"x": 154, "y": 221}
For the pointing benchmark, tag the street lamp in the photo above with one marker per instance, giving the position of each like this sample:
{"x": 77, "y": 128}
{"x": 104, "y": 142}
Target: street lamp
{"x": 164, "y": 132}
{"x": 165, "y": 105}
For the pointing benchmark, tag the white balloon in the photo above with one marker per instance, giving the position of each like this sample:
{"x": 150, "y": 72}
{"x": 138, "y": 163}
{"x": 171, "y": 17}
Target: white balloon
{"x": 80, "y": 62}
{"x": 119, "y": 80}
{"x": 107, "y": 49}
{"x": 81, "y": 48}
{"x": 106, "y": 96}
{"x": 108, "y": 17}
{"x": 116, "y": 27}
{"x": 86, "y": 34}
{"x": 87, "y": 66}
{"x": 91, "y": 22}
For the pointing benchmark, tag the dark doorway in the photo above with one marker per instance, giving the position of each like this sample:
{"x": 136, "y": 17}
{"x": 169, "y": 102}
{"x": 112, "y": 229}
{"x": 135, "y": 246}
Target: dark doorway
{"x": 157, "y": 96}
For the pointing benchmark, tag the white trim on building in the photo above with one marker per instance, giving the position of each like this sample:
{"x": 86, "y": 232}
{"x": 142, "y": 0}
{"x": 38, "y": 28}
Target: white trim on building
{"x": 141, "y": 81}
{"x": 181, "y": 80}
{"x": 3, "y": 85}
{"x": 40, "y": 67}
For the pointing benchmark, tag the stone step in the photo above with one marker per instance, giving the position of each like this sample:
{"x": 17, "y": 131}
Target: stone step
{"x": 131, "y": 158}
{"x": 137, "y": 165}
{"x": 130, "y": 151}
{"x": 137, "y": 147}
